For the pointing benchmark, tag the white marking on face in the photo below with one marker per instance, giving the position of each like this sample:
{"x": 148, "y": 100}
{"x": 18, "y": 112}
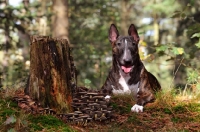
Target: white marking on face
{"x": 125, "y": 50}
{"x": 137, "y": 108}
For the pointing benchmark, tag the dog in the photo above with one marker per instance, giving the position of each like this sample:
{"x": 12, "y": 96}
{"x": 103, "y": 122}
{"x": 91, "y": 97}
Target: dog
{"x": 128, "y": 74}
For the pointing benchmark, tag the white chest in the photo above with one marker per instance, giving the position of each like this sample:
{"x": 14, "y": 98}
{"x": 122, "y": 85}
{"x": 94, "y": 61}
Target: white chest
{"x": 127, "y": 89}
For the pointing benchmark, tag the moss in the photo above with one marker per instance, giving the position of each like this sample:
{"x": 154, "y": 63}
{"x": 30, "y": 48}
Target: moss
{"x": 134, "y": 119}
{"x": 47, "y": 122}
{"x": 13, "y": 104}
{"x": 175, "y": 119}
{"x": 7, "y": 108}
{"x": 167, "y": 111}
{"x": 122, "y": 103}
{"x": 179, "y": 109}
{"x": 195, "y": 107}
{"x": 122, "y": 109}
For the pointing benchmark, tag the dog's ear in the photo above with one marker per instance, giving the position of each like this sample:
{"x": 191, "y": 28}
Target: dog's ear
{"x": 132, "y": 31}
{"x": 113, "y": 33}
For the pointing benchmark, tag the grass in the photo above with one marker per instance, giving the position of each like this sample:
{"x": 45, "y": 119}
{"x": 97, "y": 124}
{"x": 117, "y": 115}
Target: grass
{"x": 47, "y": 123}
{"x": 170, "y": 112}
{"x": 12, "y": 119}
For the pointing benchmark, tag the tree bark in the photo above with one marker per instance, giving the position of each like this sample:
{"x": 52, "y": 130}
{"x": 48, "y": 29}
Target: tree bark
{"x": 52, "y": 73}
{"x": 60, "y": 22}
{"x": 156, "y": 30}
{"x": 125, "y": 16}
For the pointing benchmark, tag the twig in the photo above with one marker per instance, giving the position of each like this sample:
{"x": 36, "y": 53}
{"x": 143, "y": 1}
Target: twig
{"x": 184, "y": 91}
{"x": 176, "y": 72}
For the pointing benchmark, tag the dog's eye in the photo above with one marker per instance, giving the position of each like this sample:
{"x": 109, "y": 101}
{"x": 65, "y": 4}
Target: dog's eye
{"x": 118, "y": 44}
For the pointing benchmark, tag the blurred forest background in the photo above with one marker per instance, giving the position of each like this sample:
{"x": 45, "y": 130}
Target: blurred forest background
{"x": 169, "y": 32}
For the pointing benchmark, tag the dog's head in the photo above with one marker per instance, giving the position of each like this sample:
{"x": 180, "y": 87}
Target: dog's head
{"x": 125, "y": 48}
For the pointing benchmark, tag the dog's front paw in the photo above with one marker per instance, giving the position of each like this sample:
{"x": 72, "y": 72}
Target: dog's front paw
{"x": 137, "y": 108}
{"x": 107, "y": 98}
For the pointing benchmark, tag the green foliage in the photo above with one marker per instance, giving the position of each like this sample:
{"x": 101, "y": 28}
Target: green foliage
{"x": 177, "y": 51}
{"x": 198, "y": 36}
{"x": 159, "y": 6}
{"x": 170, "y": 50}
{"x": 89, "y": 36}
{"x": 193, "y": 77}
{"x": 16, "y": 24}
{"x": 198, "y": 44}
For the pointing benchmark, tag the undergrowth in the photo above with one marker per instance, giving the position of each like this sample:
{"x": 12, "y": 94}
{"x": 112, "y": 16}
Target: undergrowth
{"x": 172, "y": 111}
{"x": 12, "y": 119}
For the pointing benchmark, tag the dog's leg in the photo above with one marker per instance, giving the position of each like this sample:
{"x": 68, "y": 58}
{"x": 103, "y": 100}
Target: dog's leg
{"x": 107, "y": 89}
{"x": 142, "y": 99}
{"x": 137, "y": 108}
{"x": 144, "y": 93}
{"x": 108, "y": 96}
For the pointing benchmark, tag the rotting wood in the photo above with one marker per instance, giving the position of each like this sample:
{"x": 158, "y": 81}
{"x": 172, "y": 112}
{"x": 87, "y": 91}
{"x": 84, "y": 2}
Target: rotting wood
{"x": 52, "y": 77}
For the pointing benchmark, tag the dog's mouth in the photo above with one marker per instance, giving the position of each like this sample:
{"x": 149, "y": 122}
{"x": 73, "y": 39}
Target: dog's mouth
{"x": 126, "y": 69}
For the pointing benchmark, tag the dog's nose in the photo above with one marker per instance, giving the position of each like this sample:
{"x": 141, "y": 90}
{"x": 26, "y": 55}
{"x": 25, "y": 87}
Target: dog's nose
{"x": 127, "y": 61}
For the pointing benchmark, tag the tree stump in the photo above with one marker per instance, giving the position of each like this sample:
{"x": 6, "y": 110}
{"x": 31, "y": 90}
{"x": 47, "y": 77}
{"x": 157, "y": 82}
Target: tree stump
{"x": 52, "y": 73}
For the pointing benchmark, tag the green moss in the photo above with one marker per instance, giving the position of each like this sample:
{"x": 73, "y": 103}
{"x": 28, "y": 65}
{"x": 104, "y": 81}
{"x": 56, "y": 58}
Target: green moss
{"x": 7, "y": 112}
{"x": 47, "y": 122}
{"x": 35, "y": 127}
{"x": 6, "y": 109}
{"x": 134, "y": 119}
{"x": 179, "y": 109}
{"x": 13, "y": 104}
{"x": 167, "y": 111}
{"x": 122, "y": 109}
{"x": 195, "y": 107}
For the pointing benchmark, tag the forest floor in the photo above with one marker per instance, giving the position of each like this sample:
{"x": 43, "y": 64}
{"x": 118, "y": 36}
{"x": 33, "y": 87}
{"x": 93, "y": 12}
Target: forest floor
{"x": 170, "y": 112}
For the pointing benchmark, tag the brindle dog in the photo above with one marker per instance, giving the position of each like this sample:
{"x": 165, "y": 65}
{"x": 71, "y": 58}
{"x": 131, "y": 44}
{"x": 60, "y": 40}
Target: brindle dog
{"x": 128, "y": 74}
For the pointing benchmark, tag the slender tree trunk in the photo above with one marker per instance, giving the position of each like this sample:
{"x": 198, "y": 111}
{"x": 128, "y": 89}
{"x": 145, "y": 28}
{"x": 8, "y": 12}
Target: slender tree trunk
{"x": 156, "y": 30}
{"x": 52, "y": 73}
{"x": 125, "y": 16}
{"x": 60, "y": 23}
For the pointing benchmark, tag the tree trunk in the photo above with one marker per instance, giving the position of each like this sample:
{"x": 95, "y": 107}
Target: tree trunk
{"x": 156, "y": 30}
{"x": 60, "y": 23}
{"x": 125, "y": 16}
{"x": 52, "y": 73}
